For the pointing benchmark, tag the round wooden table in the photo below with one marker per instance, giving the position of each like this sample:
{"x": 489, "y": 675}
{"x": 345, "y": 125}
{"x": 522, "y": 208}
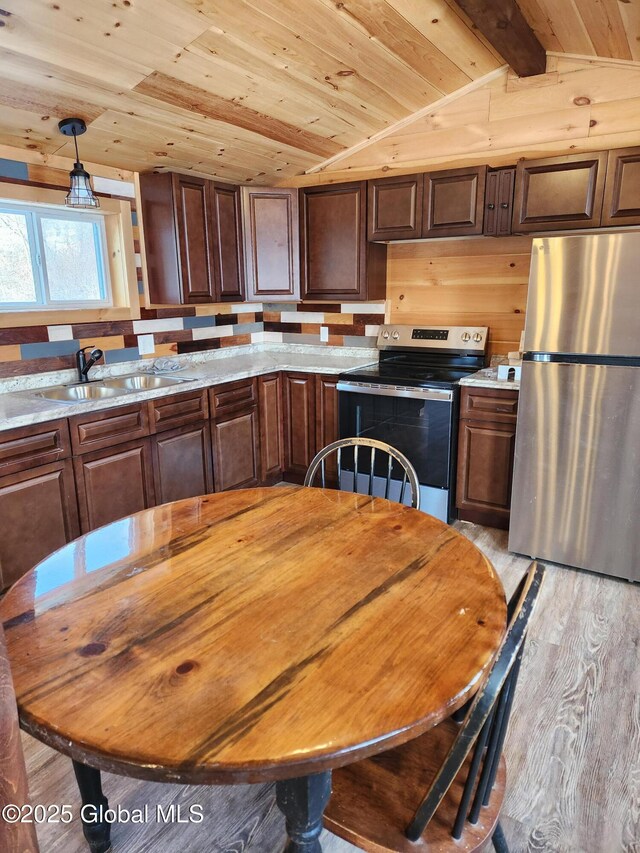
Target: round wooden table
{"x": 262, "y": 634}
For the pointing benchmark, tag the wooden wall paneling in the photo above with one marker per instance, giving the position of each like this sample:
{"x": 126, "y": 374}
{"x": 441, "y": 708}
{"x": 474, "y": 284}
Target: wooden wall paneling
{"x": 582, "y": 105}
{"x": 462, "y": 282}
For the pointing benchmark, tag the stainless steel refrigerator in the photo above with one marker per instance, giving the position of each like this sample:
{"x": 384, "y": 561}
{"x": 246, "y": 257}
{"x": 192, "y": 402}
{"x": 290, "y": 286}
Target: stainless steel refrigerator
{"x": 576, "y": 488}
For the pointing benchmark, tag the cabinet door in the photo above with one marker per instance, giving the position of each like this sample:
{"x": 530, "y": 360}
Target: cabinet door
{"x": 327, "y": 422}
{"x": 622, "y": 188}
{"x": 271, "y": 244}
{"x": 336, "y": 260}
{"x": 228, "y": 251}
{"x": 559, "y": 192}
{"x": 485, "y": 471}
{"x": 498, "y": 202}
{"x": 454, "y": 202}
{"x": 271, "y": 447}
{"x": 394, "y": 208}
{"x": 38, "y": 514}
{"x": 298, "y": 393}
{"x": 194, "y": 223}
{"x": 182, "y": 463}
{"x": 236, "y": 462}
{"x": 113, "y": 483}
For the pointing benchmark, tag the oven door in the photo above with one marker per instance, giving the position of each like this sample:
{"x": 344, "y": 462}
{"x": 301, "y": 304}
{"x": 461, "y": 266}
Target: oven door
{"x": 416, "y": 421}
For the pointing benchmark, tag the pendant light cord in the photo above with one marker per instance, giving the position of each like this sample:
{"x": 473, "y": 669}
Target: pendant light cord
{"x": 75, "y": 139}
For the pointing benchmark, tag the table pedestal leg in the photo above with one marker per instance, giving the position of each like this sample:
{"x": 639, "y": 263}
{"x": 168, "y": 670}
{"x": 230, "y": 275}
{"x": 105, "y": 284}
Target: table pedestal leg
{"x": 97, "y": 831}
{"x": 302, "y": 801}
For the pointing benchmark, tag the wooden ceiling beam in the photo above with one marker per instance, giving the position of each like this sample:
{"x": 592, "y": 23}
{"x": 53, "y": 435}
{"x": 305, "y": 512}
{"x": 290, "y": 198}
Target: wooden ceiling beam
{"x": 502, "y": 23}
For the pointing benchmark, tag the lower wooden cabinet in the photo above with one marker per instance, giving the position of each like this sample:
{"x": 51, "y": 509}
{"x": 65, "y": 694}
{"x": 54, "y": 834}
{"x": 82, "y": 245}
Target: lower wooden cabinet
{"x": 236, "y": 459}
{"x": 271, "y": 433}
{"x": 38, "y": 515}
{"x": 182, "y": 463}
{"x": 299, "y": 404}
{"x": 486, "y": 448}
{"x": 114, "y": 482}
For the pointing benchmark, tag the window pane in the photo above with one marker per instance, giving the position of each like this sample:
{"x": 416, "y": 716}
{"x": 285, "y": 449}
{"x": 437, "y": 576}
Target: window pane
{"x": 72, "y": 261}
{"x": 17, "y": 283}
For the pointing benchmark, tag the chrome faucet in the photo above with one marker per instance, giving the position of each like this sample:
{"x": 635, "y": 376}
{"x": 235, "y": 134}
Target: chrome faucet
{"x": 85, "y": 364}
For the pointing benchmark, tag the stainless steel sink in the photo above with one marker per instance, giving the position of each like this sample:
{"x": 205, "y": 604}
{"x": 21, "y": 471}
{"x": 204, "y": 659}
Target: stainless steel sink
{"x": 78, "y": 393}
{"x": 141, "y": 382}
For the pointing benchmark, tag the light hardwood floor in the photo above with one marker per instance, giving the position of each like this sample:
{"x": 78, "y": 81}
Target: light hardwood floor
{"x": 573, "y": 749}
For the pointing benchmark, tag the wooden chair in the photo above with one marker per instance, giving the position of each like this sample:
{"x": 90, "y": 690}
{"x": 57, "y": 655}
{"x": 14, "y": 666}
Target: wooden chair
{"x": 438, "y": 792}
{"x": 14, "y": 837}
{"x": 374, "y": 450}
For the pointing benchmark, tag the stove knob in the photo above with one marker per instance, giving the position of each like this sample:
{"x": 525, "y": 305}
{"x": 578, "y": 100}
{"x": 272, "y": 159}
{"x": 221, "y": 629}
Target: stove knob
{"x": 395, "y": 334}
{"x": 477, "y": 337}
{"x": 385, "y": 334}
{"x": 466, "y": 337}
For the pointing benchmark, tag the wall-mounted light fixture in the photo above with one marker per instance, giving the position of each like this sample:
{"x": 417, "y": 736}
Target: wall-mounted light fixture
{"x": 80, "y": 193}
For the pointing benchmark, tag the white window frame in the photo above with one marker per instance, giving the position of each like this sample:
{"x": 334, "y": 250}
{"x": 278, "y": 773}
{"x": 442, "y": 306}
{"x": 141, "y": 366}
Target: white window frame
{"x": 34, "y": 213}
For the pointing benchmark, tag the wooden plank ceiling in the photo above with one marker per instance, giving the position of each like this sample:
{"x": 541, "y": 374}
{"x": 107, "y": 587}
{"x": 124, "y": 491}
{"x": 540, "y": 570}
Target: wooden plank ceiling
{"x": 253, "y": 90}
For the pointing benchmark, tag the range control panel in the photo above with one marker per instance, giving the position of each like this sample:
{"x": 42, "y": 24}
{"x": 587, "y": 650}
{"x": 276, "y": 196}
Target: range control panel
{"x": 430, "y": 334}
{"x": 470, "y": 339}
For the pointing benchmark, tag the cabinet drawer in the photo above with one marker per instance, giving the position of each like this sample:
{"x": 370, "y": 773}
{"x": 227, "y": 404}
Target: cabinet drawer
{"x": 233, "y": 396}
{"x": 178, "y": 410}
{"x": 489, "y": 404}
{"x": 29, "y": 446}
{"x": 105, "y": 429}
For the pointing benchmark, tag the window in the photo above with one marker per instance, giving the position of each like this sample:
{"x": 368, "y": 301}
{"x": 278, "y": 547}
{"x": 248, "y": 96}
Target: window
{"x": 52, "y": 258}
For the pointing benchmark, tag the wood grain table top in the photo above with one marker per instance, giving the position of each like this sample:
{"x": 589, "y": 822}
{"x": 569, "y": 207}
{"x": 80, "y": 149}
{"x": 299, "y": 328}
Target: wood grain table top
{"x": 251, "y": 635}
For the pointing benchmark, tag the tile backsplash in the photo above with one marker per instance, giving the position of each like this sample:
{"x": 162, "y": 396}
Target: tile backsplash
{"x": 178, "y": 330}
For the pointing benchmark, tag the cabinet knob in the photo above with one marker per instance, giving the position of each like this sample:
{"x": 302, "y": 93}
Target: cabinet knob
{"x": 504, "y": 205}
{"x": 491, "y": 206}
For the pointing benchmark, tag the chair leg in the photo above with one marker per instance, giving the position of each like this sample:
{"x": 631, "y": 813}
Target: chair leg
{"x": 499, "y": 841}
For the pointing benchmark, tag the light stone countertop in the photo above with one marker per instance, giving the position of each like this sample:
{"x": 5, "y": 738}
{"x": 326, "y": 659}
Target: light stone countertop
{"x": 488, "y": 378}
{"x": 20, "y": 405}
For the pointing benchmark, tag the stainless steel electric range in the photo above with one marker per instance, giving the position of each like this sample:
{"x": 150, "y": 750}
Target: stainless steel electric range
{"x": 409, "y": 399}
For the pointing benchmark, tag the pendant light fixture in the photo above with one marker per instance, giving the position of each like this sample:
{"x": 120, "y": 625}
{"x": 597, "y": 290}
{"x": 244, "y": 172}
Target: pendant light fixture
{"x": 80, "y": 193}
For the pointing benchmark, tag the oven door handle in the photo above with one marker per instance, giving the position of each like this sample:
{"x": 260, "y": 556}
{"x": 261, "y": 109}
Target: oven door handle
{"x": 395, "y": 391}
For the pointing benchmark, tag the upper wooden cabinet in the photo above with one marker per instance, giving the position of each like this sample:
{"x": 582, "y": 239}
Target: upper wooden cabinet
{"x": 337, "y": 262}
{"x": 498, "y": 202}
{"x": 453, "y": 202}
{"x": 271, "y": 244}
{"x": 395, "y": 208}
{"x": 228, "y": 252}
{"x": 559, "y": 192}
{"x": 193, "y": 239}
{"x": 622, "y": 189}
